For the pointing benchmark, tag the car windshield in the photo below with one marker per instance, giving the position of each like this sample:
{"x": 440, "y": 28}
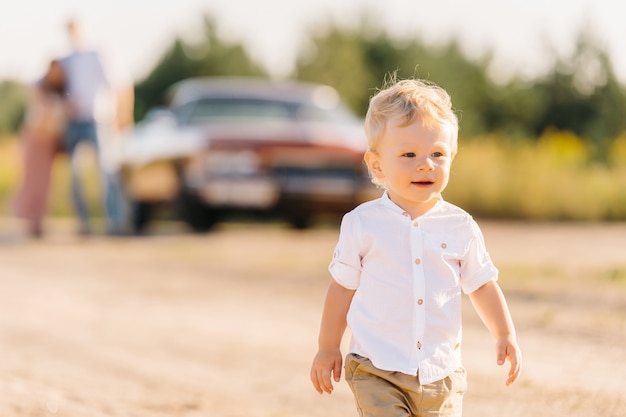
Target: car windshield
{"x": 233, "y": 108}
{"x": 212, "y": 109}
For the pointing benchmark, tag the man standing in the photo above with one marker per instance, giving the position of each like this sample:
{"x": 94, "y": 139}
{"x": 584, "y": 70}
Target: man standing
{"x": 100, "y": 106}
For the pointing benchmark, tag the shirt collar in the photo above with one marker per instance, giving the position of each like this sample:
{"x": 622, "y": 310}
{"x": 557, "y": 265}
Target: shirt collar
{"x": 386, "y": 201}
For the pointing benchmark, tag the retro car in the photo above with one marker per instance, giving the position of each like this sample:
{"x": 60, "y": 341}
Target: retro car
{"x": 287, "y": 149}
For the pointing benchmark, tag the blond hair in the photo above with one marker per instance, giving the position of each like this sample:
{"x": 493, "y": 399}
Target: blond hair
{"x": 409, "y": 100}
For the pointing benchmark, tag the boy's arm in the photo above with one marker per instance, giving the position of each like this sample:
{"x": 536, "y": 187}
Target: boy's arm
{"x": 491, "y": 306}
{"x": 328, "y": 359}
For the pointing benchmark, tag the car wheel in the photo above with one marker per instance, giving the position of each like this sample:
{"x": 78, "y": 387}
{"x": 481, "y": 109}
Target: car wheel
{"x": 141, "y": 213}
{"x": 195, "y": 214}
{"x": 301, "y": 222}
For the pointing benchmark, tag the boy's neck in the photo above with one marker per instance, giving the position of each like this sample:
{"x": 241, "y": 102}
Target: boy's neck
{"x": 416, "y": 209}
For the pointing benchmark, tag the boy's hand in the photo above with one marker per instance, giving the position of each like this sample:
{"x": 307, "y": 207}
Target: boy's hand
{"x": 325, "y": 363}
{"x": 507, "y": 349}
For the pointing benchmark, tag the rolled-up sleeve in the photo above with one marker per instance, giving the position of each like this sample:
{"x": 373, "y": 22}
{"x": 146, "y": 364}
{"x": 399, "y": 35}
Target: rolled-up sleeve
{"x": 345, "y": 267}
{"x": 476, "y": 268}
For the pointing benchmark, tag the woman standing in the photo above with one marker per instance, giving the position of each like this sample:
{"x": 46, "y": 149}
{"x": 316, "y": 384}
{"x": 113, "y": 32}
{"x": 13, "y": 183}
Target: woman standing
{"x": 41, "y": 136}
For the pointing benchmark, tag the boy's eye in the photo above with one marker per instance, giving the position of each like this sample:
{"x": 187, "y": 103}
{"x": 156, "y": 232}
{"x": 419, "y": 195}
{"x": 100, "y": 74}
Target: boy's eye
{"x": 409, "y": 155}
{"x": 437, "y": 154}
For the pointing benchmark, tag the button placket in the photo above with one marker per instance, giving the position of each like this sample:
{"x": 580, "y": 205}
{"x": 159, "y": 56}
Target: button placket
{"x": 417, "y": 250}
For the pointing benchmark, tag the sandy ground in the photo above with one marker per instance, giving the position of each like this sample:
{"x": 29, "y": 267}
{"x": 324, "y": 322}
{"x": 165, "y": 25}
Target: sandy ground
{"x": 225, "y": 324}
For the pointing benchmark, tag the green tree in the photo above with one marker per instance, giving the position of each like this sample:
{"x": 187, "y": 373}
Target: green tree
{"x": 172, "y": 67}
{"x": 584, "y": 96}
{"x": 358, "y": 61}
{"x": 212, "y": 56}
{"x": 580, "y": 94}
{"x": 12, "y": 106}
{"x": 336, "y": 57}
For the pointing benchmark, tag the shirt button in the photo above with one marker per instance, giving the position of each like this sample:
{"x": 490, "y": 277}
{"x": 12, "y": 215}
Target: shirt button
{"x": 417, "y": 261}
{"x": 419, "y": 345}
{"x": 420, "y": 301}
{"x": 416, "y": 223}
{"x": 443, "y": 245}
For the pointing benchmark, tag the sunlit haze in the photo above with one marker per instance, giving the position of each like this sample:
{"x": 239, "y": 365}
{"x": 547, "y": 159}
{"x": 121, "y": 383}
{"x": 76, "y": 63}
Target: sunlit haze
{"x": 136, "y": 32}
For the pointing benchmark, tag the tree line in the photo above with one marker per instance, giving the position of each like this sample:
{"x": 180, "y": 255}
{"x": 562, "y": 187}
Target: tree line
{"x": 579, "y": 94}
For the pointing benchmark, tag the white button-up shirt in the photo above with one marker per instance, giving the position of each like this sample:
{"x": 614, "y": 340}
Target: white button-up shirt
{"x": 409, "y": 275}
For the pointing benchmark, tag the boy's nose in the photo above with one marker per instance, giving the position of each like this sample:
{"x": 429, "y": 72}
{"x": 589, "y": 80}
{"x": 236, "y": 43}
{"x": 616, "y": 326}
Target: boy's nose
{"x": 425, "y": 164}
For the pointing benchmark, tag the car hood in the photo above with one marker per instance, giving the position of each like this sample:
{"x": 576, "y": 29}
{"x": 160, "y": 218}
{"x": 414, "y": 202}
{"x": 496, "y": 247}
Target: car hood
{"x": 157, "y": 141}
{"x": 348, "y": 135}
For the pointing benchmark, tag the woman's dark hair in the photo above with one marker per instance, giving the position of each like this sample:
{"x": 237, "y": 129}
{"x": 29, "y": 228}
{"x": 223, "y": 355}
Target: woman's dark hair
{"x": 54, "y": 79}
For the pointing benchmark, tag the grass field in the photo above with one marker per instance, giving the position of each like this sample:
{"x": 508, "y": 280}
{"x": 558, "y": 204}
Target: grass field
{"x": 553, "y": 179}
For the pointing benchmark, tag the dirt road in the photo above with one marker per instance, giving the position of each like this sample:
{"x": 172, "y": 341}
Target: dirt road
{"x": 225, "y": 324}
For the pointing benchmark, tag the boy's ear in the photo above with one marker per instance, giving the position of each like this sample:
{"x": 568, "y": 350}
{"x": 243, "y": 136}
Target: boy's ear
{"x": 372, "y": 161}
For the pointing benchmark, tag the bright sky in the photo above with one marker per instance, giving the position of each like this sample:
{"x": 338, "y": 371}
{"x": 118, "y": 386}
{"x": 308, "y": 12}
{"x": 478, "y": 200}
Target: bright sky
{"x": 136, "y": 32}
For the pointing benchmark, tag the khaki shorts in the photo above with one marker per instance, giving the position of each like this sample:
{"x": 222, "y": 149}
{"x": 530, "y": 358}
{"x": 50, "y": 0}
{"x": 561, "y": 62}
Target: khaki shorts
{"x": 381, "y": 393}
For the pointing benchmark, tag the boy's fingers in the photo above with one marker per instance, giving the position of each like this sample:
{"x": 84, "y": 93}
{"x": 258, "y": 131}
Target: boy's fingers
{"x": 512, "y": 355}
{"x": 501, "y": 355}
{"x": 337, "y": 371}
{"x": 327, "y": 385}
{"x": 516, "y": 367}
{"x": 321, "y": 380}
{"x": 322, "y": 373}
{"x": 504, "y": 352}
{"x": 315, "y": 381}
{"x": 512, "y": 377}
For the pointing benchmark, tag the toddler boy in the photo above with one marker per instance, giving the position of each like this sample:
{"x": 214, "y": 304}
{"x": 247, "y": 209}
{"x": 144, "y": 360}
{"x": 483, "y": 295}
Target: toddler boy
{"x": 401, "y": 265}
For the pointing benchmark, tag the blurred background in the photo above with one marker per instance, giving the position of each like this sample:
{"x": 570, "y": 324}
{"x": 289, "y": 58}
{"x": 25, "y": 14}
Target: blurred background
{"x": 540, "y": 88}
{"x": 165, "y": 326}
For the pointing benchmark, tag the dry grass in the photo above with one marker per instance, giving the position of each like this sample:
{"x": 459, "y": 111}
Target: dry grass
{"x": 536, "y": 181}
{"x": 554, "y": 179}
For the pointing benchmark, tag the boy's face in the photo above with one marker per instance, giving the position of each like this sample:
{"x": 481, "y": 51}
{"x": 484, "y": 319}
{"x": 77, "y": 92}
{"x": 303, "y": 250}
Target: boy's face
{"x": 414, "y": 164}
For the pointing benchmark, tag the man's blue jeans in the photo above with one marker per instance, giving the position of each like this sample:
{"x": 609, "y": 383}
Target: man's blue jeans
{"x": 80, "y": 132}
